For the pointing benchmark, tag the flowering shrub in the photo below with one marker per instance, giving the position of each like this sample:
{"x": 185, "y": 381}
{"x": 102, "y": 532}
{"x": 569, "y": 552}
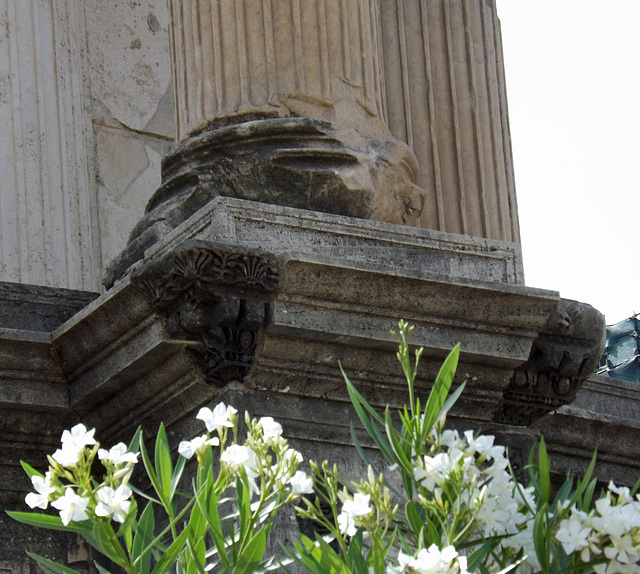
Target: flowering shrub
{"x": 224, "y": 525}
{"x": 446, "y": 503}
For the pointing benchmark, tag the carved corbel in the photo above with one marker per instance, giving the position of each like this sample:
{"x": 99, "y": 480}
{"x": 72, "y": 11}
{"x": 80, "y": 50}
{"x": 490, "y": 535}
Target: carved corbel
{"x": 563, "y": 356}
{"x": 216, "y": 296}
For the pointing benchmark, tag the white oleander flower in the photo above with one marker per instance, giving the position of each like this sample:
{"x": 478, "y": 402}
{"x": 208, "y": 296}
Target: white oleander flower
{"x": 114, "y": 502}
{"x": 271, "y": 430}
{"x": 220, "y": 416}
{"x": 237, "y": 456}
{"x": 352, "y": 509}
{"x": 301, "y": 483}
{"x": 118, "y": 454}
{"x": 573, "y": 534}
{"x": 43, "y": 489}
{"x": 71, "y": 506}
{"x": 73, "y": 442}
{"x": 197, "y": 445}
{"x": 436, "y": 561}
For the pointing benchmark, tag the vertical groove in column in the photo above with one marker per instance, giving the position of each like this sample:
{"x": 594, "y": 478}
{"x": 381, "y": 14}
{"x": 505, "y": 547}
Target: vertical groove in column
{"x": 216, "y": 20}
{"x": 496, "y": 141}
{"x": 199, "y": 87}
{"x": 405, "y": 72}
{"x": 506, "y": 136}
{"x": 456, "y": 119}
{"x": 188, "y": 57}
{"x": 433, "y": 118}
{"x": 298, "y": 48}
{"x": 323, "y": 50}
{"x": 270, "y": 51}
{"x": 346, "y": 50}
{"x": 243, "y": 57}
{"x": 175, "y": 63}
{"x": 378, "y": 67}
{"x": 363, "y": 64}
{"x": 478, "y": 150}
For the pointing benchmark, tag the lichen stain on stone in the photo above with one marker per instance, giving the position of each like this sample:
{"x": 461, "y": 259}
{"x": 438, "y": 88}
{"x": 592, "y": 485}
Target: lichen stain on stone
{"x": 136, "y": 44}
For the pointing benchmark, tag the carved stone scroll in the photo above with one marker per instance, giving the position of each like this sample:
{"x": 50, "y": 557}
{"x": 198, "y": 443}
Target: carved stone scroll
{"x": 563, "y": 356}
{"x": 215, "y": 296}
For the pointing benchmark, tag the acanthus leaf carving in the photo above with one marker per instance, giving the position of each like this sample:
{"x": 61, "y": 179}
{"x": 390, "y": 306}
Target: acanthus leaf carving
{"x": 217, "y": 296}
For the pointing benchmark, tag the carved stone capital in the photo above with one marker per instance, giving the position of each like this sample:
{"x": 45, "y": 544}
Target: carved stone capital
{"x": 562, "y": 357}
{"x": 215, "y": 296}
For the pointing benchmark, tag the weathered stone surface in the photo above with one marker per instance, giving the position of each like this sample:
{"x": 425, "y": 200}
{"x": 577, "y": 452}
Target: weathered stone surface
{"x": 446, "y": 98}
{"x": 374, "y": 245}
{"x": 563, "y": 355}
{"x": 302, "y": 163}
{"x": 45, "y": 204}
{"x": 34, "y": 308}
{"x": 317, "y": 58}
{"x": 216, "y": 295}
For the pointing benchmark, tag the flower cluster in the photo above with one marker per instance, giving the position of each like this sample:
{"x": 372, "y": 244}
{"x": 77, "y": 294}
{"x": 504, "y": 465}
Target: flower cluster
{"x": 471, "y": 473}
{"x": 431, "y": 561}
{"x": 69, "y": 486}
{"x": 609, "y": 531}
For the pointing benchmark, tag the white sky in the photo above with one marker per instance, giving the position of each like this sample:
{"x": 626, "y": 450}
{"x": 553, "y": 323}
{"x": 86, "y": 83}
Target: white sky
{"x": 573, "y": 85}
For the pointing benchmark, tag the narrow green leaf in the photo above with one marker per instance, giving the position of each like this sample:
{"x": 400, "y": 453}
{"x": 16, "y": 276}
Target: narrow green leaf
{"x": 30, "y": 470}
{"x": 358, "y": 399}
{"x": 440, "y": 389}
{"x": 540, "y": 540}
{"x": 50, "y": 565}
{"x": 251, "y": 554}
{"x": 151, "y": 472}
{"x": 143, "y": 537}
{"x": 109, "y": 545}
{"x": 101, "y": 569}
{"x": 415, "y": 520}
{"x": 168, "y": 558}
{"x": 164, "y": 470}
{"x": 544, "y": 469}
{"x": 50, "y": 522}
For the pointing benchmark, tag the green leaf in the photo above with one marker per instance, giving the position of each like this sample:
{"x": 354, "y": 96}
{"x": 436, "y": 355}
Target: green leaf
{"x": 51, "y": 522}
{"x": 30, "y": 470}
{"x": 108, "y": 543}
{"x": 544, "y": 468}
{"x": 101, "y": 569}
{"x": 148, "y": 466}
{"x": 251, "y": 554}
{"x": 415, "y": 520}
{"x": 540, "y": 540}
{"x": 168, "y": 558}
{"x": 164, "y": 469}
{"x": 325, "y": 555}
{"x": 49, "y": 566}
{"x": 440, "y": 390}
{"x": 143, "y": 537}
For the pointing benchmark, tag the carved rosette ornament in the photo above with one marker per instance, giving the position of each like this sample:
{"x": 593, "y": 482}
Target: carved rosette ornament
{"x": 215, "y": 296}
{"x": 562, "y": 357}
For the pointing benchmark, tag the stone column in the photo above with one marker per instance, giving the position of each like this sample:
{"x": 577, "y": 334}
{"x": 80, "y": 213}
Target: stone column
{"x": 280, "y": 102}
{"x": 446, "y": 98}
{"x": 45, "y": 232}
{"x": 311, "y": 58}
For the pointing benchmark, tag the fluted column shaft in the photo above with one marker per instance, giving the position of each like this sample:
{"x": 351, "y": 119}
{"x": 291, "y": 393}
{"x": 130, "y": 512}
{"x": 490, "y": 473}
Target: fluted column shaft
{"x": 446, "y": 98}
{"x": 312, "y": 58}
{"x": 45, "y": 232}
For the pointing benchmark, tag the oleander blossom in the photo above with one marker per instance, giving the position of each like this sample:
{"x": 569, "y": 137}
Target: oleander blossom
{"x": 73, "y": 442}
{"x": 432, "y": 561}
{"x": 72, "y": 507}
{"x": 271, "y": 430}
{"x": 43, "y": 491}
{"x": 118, "y": 455}
{"x": 301, "y": 483}
{"x": 352, "y": 510}
{"x": 218, "y": 418}
{"x": 197, "y": 445}
{"x": 113, "y": 502}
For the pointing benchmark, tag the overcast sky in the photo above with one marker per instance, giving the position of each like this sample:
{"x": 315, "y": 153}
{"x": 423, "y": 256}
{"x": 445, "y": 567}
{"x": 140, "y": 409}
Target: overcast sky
{"x": 573, "y": 86}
